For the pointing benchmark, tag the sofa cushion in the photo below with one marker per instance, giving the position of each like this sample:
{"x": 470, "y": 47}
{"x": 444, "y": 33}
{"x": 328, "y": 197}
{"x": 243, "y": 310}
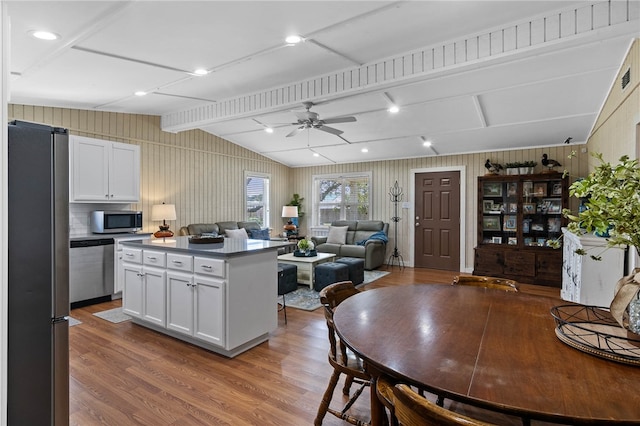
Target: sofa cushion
{"x": 349, "y": 250}
{"x": 203, "y": 228}
{"x": 352, "y": 224}
{"x": 249, "y": 225}
{"x": 259, "y": 234}
{"x": 237, "y": 233}
{"x": 329, "y": 248}
{"x": 337, "y": 234}
{"x": 223, "y": 226}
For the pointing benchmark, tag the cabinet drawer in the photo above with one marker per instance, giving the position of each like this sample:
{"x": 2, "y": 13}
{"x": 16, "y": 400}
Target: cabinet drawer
{"x": 154, "y": 258}
{"x": 180, "y": 262}
{"x": 132, "y": 255}
{"x": 209, "y": 266}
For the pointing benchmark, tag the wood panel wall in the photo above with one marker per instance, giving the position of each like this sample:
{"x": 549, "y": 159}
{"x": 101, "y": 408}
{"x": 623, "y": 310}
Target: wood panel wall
{"x": 614, "y": 133}
{"x": 203, "y": 175}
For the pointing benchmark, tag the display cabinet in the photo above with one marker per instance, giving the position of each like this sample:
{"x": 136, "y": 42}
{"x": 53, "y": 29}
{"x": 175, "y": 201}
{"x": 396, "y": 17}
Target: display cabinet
{"x": 517, "y": 218}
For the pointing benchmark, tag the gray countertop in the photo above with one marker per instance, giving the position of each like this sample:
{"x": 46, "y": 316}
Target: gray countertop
{"x": 91, "y": 236}
{"x": 228, "y": 248}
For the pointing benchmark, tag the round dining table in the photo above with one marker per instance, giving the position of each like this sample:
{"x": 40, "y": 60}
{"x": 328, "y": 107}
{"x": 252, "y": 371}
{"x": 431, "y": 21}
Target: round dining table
{"x": 489, "y": 348}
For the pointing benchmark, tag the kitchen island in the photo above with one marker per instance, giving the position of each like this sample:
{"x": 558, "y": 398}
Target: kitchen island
{"x": 219, "y": 296}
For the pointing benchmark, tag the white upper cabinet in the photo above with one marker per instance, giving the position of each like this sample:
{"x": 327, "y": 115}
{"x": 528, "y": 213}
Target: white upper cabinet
{"x": 103, "y": 171}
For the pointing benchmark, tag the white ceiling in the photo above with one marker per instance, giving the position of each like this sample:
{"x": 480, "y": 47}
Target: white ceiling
{"x": 470, "y": 76}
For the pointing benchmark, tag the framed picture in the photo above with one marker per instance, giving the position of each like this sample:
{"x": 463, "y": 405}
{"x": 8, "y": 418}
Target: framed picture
{"x": 510, "y": 223}
{"x": 496, "y": 240}
{"x": 539, "y": 189}
{"x": 553, "y": 205}
{"x": 513, "y": 207}
{"x": 541, "y": 242}
{"x": 491, "y": 223}
{"x": 513, "y": 241}
{"x": 527, "y": 188}
{"x": 553, "y": 224}
{"x": 529, "y": 208}
{"x": 526, "y": 224}
{"x": 512, "y": 189}
{"x": 556, "y": 189}
{"x": 487, "y": 206}
{"x": 528, "y": 241}
{"x": 492, "y": 189}
{"x": 537, "y": 227}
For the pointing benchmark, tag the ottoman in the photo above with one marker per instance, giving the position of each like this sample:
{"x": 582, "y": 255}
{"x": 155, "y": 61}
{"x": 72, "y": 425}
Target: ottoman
{"x": 329, "y": 273}
{"x": 356, "y": 269}
{"x": 287, "y": 282}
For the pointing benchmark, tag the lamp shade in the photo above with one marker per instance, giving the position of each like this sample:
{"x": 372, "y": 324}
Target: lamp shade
{"x": 289, "y": 211}
{"x": 163, "y": 212}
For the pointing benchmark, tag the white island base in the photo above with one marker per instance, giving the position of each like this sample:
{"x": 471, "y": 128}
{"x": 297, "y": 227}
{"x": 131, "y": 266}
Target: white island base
{"x": 220, "y": 297}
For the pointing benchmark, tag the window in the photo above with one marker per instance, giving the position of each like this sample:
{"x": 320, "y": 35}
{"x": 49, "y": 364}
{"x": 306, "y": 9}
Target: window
{"x": 256, "y": 196}
{"x": 341, "y": 197}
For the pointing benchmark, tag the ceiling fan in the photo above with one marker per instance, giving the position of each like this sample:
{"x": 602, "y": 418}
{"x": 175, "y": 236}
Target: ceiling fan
{"x": 310, "y": 120}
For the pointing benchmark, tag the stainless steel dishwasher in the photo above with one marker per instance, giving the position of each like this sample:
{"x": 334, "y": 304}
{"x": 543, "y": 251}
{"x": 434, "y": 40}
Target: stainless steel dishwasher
{"x": 90, "y": 269}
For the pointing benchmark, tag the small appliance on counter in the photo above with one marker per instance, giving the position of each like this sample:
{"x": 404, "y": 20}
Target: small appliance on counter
{"x": 115, "y": 222}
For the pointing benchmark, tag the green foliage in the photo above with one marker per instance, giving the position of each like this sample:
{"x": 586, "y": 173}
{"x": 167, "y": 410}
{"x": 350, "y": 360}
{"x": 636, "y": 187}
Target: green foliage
{"x": 613, "y": 202}
{"x": 296, "y": 200}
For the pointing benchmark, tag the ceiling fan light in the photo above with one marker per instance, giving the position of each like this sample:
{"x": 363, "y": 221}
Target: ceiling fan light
{"x": 44, "y": 35}
{"x": 293, "y": 39}
{"x": 393, "y": 109}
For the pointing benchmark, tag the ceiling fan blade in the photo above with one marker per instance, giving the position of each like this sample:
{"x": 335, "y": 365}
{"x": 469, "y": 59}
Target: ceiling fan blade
{"x": 339, "y": 120}
{"x": 295, "y": 131}
{"x": 330, "y": 130}
{"x": 306, "y": 115}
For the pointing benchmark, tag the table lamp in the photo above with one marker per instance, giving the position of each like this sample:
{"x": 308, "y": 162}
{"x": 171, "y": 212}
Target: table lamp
{"x": 290, "y": 212}
{"x": 163, "y": 212}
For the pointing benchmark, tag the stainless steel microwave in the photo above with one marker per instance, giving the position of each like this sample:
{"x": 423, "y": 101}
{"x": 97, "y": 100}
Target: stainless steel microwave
{"x": 110, "y": 222}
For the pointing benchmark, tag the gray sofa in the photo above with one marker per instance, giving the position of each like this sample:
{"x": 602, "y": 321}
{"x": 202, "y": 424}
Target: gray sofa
{"x": 218, "y": 227}
{"x": 373, "y": 251}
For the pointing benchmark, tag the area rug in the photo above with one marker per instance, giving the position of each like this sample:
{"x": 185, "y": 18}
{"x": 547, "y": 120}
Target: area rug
{"x": 308, "y": 299}
{"x": 73, "y": 321}
{"x": 113, "y": 315}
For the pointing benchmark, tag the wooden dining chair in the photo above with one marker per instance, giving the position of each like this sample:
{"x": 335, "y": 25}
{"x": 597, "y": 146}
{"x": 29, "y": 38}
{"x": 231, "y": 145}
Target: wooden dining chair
{"x": 342, "y": 360}
{"x": 486, "y": 282}
{"x": 412, "y": 409}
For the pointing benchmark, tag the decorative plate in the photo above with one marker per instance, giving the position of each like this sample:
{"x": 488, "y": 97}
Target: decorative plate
{"x": 593, "y": 330}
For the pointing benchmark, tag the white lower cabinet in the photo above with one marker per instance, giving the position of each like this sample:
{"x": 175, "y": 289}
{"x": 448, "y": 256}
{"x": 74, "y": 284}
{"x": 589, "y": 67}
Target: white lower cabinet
{"x": 144, "y": 292}
{"x": 208, "y": 310}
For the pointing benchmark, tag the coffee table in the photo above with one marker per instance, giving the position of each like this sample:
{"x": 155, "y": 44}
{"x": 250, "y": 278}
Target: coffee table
{"x": 306, "y": 265}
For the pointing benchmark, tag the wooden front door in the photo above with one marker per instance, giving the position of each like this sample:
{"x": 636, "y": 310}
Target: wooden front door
{"x": 437, "y": 220}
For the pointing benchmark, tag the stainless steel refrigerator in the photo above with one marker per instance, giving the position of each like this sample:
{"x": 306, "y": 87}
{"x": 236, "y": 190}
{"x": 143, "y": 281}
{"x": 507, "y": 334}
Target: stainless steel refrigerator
{"x": 38, "y": 238}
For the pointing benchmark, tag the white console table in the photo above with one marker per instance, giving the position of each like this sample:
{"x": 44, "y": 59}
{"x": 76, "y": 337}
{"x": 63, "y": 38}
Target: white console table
{"x": 585, "y": 280}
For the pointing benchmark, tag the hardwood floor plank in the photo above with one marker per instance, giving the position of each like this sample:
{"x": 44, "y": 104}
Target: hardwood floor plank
{"x": 124, "y": 374}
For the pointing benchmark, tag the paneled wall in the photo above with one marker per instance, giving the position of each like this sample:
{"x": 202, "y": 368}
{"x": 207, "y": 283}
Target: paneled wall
{"x": 203, "y": 175}
{"x": 615, "y": 132}
{"x": 385, "y": 173}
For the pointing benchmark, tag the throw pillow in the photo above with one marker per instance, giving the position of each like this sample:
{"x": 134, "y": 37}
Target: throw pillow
{"x": 237, "y": 233}
{"x": 259, "y": 234}
{"x": 337, "y": 234}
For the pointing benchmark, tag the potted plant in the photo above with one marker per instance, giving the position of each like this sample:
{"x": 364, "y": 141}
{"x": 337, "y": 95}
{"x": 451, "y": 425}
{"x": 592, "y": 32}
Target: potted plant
{"x": 296, "y": 200}
{"x": 512, "y": 168}
{"x": 612, "y": 207}
{"x": 528, "y": 167}
{"x": 306, "y": 247}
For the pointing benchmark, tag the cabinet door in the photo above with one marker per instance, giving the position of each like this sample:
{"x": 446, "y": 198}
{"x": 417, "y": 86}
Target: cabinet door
{"x": 124, "y": 173}
{"x": 154, "y": 296}
{"x": 209, "y": 312}
{"x": 89, "y": 174}
{"x": 133, "y": 296}
{"x": 180, "y": 302}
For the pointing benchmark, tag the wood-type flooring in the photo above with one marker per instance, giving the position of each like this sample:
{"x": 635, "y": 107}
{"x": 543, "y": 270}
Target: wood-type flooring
{"x": 123, "y": 374}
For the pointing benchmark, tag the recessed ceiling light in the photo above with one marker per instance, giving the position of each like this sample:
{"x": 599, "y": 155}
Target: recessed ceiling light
{"x": 201, "y": 71}
{"x": 293, "y": 39}
{"x": 140, "y": 93}
{"x": 44, "y": 35}
{"x": 393, "y": 109}
{"x": 364, "y": 150}
{"x": 315, "y": 154}
{"x": 427, "y": 143}
{"x": 268, "y": 129}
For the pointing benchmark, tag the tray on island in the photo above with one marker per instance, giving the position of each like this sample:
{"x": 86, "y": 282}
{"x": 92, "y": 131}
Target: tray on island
{"x": 593, "y": 330}
{"x": 205, "y": 240}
